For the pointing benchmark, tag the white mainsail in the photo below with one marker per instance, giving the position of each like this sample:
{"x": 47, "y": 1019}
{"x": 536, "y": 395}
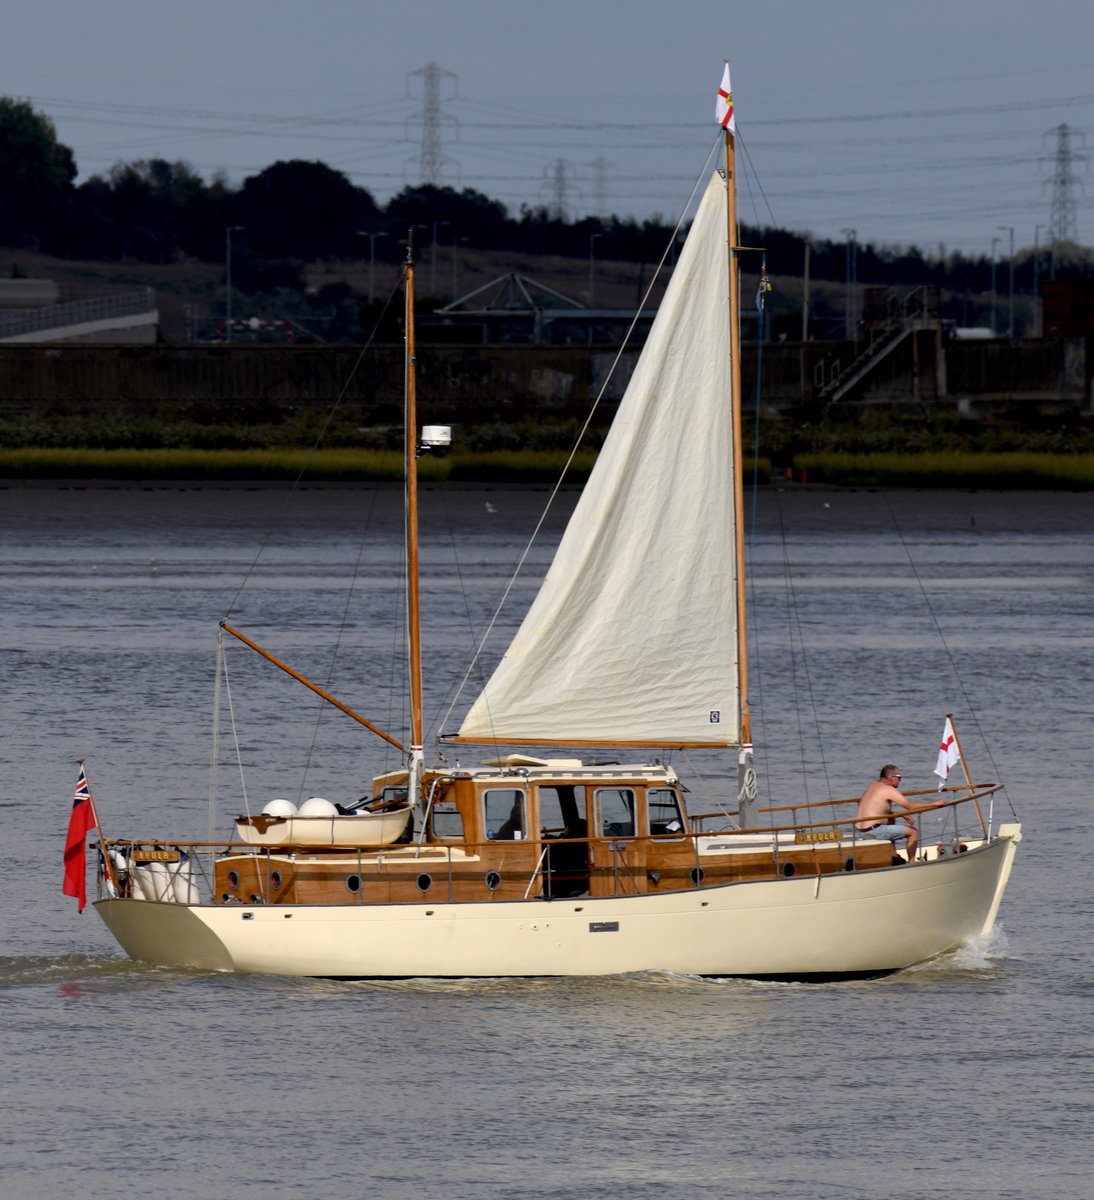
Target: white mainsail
{"x": 633, "y": 635}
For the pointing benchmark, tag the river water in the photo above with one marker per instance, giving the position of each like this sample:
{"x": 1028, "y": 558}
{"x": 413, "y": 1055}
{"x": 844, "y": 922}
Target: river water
{"x": 872, "y": 616}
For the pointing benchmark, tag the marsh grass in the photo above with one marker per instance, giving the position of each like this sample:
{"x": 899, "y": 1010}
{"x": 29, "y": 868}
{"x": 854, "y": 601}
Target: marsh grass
{"x": 951, "y": 468}
{"x": 938, "y": 469}
{"x": 338, "y": 465}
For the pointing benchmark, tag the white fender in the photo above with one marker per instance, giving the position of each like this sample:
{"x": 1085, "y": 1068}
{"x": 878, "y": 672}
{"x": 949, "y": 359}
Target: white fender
{"x": 183, "y": 888}
{"x": 142, "y": 885}
{"x": 161, "y": 882}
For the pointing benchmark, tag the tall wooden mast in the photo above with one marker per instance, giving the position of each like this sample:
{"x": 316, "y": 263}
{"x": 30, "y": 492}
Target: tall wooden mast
{"x": 412, "y": 588}
{"x": 745, "y": 729}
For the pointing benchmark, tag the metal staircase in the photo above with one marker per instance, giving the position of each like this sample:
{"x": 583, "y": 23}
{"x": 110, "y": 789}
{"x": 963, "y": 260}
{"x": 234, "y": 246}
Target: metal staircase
{"x": 889, "y": 319}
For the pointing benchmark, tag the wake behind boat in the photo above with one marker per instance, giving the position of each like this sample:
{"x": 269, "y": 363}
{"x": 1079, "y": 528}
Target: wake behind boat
{"x": 538, "y": 861}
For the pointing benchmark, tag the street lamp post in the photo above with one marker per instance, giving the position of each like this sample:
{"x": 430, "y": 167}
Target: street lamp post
{"x": 1010, "y": 283}
{"x": 433, "y": 259}
{"x": 455, "y": 276}
{"x": 228, "y": 279}
{"x": 371, "y": 260}
{"x": 850, "y": 234}
{"x": 592, "y": 266}
{"x": 994, "y": 242}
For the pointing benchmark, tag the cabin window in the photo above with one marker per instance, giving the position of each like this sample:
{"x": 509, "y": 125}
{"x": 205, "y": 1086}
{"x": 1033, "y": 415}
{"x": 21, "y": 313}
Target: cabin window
{"x": 394, "y": 795}
{"x": 562, "y": 810}
{"x": 666, "y": 819}
{"x": 446, "y": 822}
{"x": 562, "y": 817}
{"x": 504, "y": 814}
{"x": 616, "y": 809}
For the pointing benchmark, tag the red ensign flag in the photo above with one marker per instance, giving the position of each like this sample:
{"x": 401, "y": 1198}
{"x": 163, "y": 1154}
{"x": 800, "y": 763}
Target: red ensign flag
{"x": 80, "y": 824}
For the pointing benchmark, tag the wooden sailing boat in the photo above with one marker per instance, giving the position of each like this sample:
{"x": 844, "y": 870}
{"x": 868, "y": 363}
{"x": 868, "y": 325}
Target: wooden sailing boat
{"x": 530, "y": 864}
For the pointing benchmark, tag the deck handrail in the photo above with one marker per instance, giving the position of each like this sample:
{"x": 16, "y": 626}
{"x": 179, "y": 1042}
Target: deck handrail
{"x": 962, "y": 787}
{"x": 476, "y": 847}
{"x": 845, "y": 827}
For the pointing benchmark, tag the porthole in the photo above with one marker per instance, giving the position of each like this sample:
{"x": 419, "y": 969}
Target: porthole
{"x": 493, "y": 880}
{"x": 353, "y": 883}
{"x": 698, "y": 875}
{"x": 788, "y": 869}
{"x": 425, "y": 882}
{"x": 233, "y": 879}
{"x": 849, "y": 864}
{"x": 275, "y": 879}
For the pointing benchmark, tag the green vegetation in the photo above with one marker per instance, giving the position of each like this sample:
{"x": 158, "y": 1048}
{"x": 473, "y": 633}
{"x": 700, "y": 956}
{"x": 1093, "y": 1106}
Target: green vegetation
{"x": 937, "y": 469}
{"x": 950, "y": 469}
{"x": 859, "y": 466}
{"x": 378, "y": 466}
{"x": 269, "y": 440}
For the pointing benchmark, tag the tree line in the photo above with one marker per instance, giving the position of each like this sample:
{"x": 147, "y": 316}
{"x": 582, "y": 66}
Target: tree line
{"x": 295, "y": 212}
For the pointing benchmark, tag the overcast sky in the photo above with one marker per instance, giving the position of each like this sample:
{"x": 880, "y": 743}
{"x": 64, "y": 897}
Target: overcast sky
{"x": 921, "y": 123}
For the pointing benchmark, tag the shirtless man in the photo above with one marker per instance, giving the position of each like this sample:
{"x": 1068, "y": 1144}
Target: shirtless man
{"x": 875, "y": 812}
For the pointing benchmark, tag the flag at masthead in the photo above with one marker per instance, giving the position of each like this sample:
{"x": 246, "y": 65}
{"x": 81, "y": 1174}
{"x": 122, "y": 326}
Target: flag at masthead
{"x": 723, "y": 105}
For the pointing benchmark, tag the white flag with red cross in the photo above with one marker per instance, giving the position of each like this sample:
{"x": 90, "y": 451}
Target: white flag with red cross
{"x": 948, "y": 754}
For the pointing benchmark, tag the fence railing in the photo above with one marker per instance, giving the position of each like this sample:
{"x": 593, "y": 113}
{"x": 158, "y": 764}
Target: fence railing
{"x": 77, "y": 312}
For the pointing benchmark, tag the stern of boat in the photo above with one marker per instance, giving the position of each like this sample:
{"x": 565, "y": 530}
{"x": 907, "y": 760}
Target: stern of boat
{"x": 169, "y": 935}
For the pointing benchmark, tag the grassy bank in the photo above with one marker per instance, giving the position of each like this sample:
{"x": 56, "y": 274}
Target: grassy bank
{"x": 934, "y": 469}
{"x": 950, "y": 469}
{"x": 341, "y": 465}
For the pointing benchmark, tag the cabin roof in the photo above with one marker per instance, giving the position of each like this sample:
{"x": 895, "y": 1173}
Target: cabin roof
{"x": 565, "y": 770}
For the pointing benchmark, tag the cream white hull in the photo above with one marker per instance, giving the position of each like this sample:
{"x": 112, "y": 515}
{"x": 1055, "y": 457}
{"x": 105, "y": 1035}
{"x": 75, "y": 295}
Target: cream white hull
{"x": 835, "y": 924}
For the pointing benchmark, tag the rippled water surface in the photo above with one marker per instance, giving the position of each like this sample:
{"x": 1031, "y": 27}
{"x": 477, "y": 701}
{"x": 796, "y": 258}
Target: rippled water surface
{"x": 872, "y": 616}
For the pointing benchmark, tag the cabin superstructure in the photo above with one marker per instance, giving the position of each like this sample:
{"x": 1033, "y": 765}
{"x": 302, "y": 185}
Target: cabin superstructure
{"x": 521, "y": 828}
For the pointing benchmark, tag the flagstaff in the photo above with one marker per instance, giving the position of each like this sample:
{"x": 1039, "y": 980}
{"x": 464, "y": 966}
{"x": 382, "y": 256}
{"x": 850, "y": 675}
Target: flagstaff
{"x": 83, "y": 820}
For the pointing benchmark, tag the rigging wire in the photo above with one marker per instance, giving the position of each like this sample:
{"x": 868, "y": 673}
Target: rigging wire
{"x": 796, "y": 638}
{"x": 322, "y": 706}
{"x": 750, "y": 175}
{"x": 285, "y": 498}
{"x": 314, "y": 447}
{"x": 973, "y": 715}
{"x": 399, "y": 658}
{"x": 214, "y": 759}
{"x": 453, "y": 693}
{"x": 755, "y": 675}
{"x": 793, "y": 614}
{"x": 235, "y": 735}
{"x": 701, "y": 783}
{"x": 474, "y": 664}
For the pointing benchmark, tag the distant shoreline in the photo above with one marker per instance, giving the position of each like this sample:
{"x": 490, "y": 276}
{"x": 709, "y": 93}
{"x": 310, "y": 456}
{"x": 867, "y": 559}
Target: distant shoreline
{"x": 997, "y": 471}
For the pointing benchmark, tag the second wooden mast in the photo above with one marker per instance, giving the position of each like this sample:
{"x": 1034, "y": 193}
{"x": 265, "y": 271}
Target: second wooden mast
{"x": 414, "y": 639}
